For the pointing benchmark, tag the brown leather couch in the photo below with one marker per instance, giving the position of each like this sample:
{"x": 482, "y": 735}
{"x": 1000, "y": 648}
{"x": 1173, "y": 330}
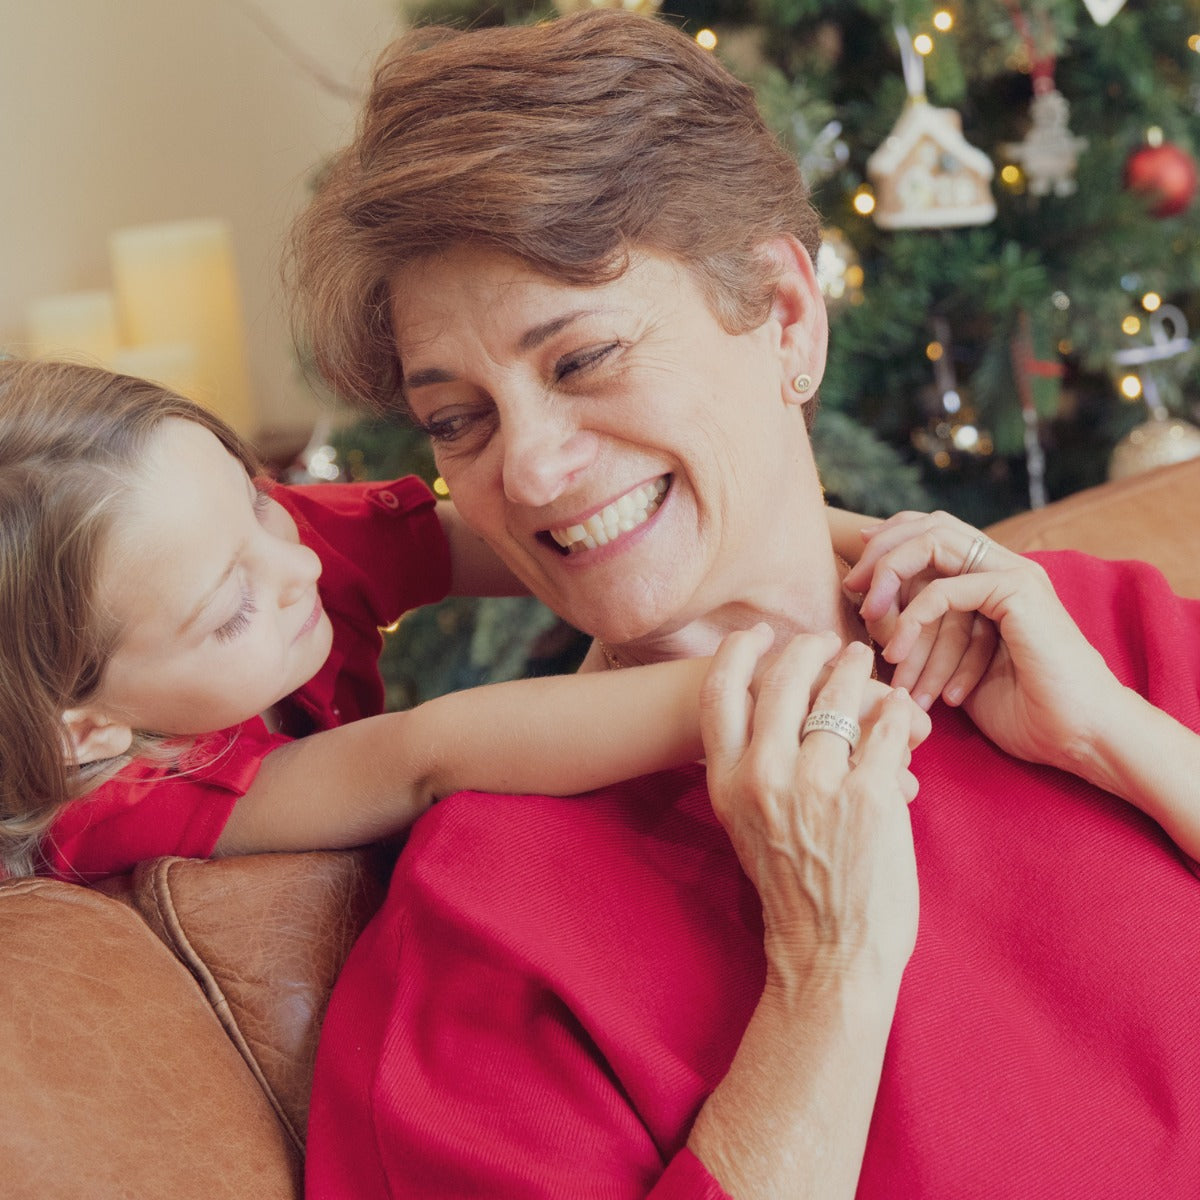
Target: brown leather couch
{"x": 158, "y": 1035}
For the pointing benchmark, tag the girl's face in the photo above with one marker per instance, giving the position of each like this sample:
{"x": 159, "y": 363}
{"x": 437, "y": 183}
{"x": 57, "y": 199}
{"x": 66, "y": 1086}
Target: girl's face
{"x": 215, "y": 597}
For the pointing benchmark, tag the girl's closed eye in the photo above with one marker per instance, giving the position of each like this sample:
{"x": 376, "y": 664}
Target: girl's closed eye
{"x": 240, "y": 621}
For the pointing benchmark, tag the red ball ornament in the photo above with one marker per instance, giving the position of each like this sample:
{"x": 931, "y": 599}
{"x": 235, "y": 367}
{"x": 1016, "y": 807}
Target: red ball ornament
{"x": 1165, "y": 175}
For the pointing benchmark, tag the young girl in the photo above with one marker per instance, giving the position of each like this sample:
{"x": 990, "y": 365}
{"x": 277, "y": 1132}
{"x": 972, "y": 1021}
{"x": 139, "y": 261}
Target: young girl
{"x": 168, "y": 661}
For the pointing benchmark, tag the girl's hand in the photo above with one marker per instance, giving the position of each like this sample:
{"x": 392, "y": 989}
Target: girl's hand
{"x": 822, "y": 832}
{"x": 1023, "y": 670}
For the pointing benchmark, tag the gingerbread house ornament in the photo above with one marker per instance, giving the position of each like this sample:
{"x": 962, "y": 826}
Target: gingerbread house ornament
{"x": 927, "y": 175}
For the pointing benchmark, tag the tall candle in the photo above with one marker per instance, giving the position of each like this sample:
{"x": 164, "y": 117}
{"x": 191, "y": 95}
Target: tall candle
{"x": 176, "y": 283}
{"x": 174, "y": 365}
{"x": 77, "y": 325}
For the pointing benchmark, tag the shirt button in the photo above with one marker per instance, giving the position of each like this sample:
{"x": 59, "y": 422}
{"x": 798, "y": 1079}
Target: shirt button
{"x": 388, "y": 499}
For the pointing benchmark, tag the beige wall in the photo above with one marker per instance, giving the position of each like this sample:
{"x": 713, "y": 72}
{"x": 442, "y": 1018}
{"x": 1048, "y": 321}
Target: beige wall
{"x": 127, "y": 112}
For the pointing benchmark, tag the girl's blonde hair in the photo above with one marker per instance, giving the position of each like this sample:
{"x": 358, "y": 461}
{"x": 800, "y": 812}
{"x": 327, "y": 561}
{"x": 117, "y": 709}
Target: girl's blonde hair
{"x": 71, "y": 440}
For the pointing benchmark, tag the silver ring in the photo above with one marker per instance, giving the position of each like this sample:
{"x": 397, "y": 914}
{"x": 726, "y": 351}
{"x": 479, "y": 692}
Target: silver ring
{"x": 827, "y": 721}
{"x": 975, "y": 556}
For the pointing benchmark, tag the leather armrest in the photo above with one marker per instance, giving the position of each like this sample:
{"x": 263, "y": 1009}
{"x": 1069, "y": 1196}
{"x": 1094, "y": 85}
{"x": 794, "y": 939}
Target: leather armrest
{"x": 265, "y": 937}
{"x": 1154, "y": 517}
{"x": 117, "y": 1077}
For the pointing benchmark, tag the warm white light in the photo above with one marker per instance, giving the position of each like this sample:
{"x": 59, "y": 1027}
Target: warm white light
{"x": 923, "y": 44}
{"x": 943, "y": 20}
{"x": 934, "y": 351}
{"x": 1152, "y": 302}
{"x": 1154, "y": 135}
{"x": 706, "y": 39}
{"x": 864, "y": 202}
{"x": 1131, "y": 387}
{"x": 1131, "y": 325}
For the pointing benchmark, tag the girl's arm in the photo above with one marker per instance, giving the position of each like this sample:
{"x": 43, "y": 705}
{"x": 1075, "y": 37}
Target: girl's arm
{"x": 475, "y": 569}
{"x": 557, "y": 736}
{"x": 845, "y": 530}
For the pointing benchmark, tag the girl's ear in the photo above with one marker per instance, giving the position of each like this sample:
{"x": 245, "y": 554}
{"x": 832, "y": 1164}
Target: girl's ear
{"x": 91, "y": 736}
{"x": 799, "y": 309}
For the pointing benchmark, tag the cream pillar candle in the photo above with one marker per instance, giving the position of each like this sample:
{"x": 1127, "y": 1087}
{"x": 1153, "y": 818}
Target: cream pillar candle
{"x": 176, "y": 283}
{"x": 79, "y": 325}
{"x": 174, "y": 365}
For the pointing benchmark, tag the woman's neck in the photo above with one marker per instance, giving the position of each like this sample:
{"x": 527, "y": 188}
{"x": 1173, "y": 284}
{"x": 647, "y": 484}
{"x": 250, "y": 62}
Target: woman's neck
{"x": 814, "y": 606}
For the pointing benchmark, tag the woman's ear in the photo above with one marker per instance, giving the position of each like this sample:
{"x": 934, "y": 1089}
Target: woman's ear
{"x": 91, "y": 736}
{"x": 799, "y": 309}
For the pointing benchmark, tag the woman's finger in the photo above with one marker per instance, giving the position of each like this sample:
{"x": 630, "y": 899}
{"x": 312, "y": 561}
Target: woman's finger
{"x": 726, "y": 705}
{"x": 973, "y": 666}
{"x": 885, "y": 749}
{"x": 831, "y": 728}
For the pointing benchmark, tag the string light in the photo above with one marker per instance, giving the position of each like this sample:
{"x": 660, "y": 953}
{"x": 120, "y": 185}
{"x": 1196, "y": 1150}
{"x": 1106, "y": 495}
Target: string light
{"x": 1131, "y": 325}
{"x": 864, "y": 201}
{"x": 943, "y": 20}
{"x": 1131, "y": 387}
{"x": 934, "y": 351}
{"x": 1194, "y": 42}
{"x": 706, "y": 39}
{"x": 1011, "y": 176}
{"x": 923, "y": 44}
{"x": 1154, "y": 135}
{"x": 1152, "y": 302}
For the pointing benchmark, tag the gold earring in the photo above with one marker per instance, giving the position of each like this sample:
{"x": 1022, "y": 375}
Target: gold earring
{"x": 801, "y": 384}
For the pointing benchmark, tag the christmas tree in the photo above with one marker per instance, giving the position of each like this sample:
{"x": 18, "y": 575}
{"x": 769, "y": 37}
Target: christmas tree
{"x": 1012, "y": 243}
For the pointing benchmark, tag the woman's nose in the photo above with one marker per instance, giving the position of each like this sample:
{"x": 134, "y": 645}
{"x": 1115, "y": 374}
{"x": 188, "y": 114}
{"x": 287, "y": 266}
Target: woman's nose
{"x": 542, "y": 459}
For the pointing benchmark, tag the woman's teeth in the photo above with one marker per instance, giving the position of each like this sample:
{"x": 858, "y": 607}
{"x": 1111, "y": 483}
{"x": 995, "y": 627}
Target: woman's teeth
{"x": 622, "y": 515}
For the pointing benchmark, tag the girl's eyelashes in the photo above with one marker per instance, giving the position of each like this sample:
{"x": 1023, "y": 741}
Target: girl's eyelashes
{"x": 262, "y": 496}
{"x": 240, "y": 621}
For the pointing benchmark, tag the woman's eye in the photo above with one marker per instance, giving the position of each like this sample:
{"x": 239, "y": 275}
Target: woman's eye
{"x": 240, "y": 621}
{"x": 451, "y": 427}
{"x": 572, "y": 364}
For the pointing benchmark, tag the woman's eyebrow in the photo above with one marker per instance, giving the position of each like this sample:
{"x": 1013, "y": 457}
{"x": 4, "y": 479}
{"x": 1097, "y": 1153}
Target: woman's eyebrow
{"x": 531, "y": 339}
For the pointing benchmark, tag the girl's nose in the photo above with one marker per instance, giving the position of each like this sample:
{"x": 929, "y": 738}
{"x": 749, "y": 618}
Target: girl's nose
{"x": 299, "y": 569}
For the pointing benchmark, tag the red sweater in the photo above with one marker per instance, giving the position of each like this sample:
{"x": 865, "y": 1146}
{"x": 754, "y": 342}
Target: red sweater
{"x": 382, "y": 552}
{"x": 553, "y": 987}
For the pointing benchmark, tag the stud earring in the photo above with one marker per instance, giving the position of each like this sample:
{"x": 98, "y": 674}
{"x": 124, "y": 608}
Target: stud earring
{"x": 801, "y": 384}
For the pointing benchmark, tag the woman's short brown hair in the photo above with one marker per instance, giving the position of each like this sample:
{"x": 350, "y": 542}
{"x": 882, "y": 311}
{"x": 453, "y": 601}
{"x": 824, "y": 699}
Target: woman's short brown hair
{"x": 565, "y": 145}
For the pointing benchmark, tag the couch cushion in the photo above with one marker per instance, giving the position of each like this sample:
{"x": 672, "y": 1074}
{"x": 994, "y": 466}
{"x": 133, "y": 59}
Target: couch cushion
{"x": 1154, "y": 517}
{"x": 117, "y": 1078}
{"x": 265, "y": 936}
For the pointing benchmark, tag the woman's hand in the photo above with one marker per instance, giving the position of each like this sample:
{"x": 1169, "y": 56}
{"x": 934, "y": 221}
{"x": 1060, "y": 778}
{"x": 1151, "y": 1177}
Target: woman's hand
{"x": 822, "y": 832}
{"x": 1015, "y": 659}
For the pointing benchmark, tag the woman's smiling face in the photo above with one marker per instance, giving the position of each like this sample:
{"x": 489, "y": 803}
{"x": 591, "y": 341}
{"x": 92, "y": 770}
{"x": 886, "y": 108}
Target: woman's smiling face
{"x": 625, "y": 455}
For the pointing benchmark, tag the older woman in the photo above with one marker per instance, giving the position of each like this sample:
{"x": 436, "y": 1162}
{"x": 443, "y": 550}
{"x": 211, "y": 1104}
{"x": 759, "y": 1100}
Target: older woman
{"x": 576, "y": 256}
